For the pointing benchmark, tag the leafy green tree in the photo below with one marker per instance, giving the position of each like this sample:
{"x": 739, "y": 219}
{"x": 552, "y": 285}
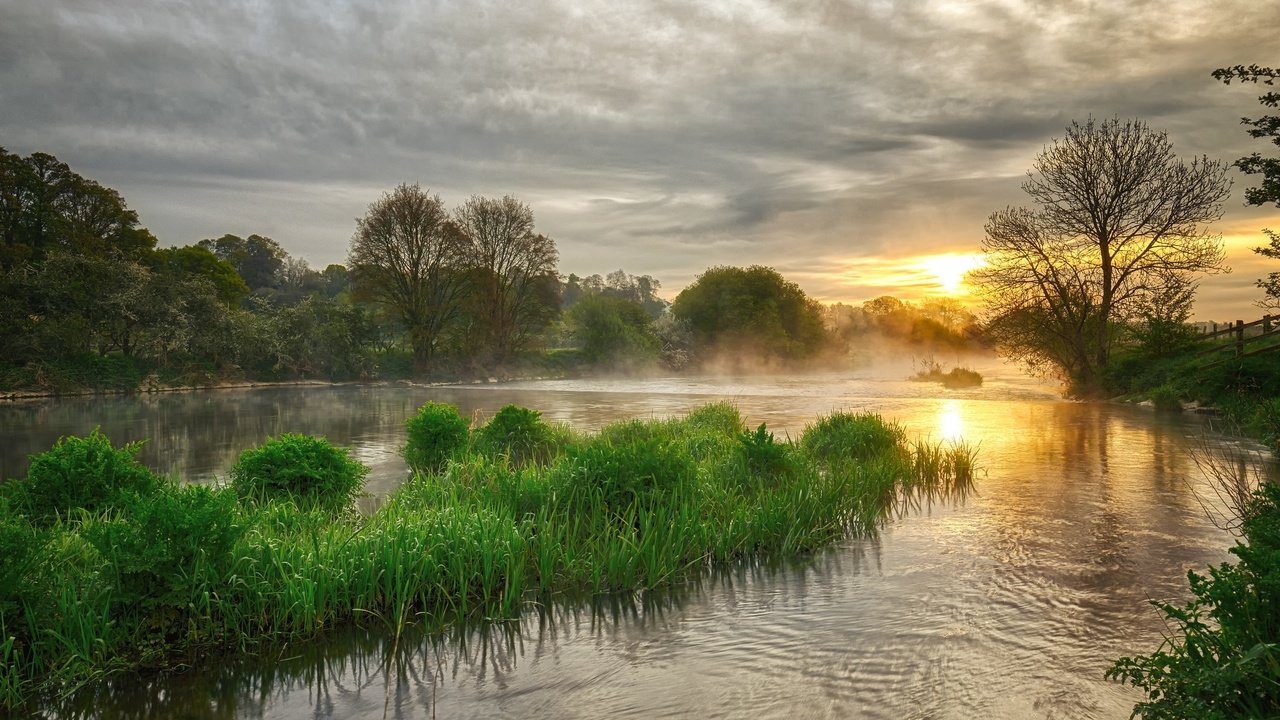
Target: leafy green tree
{"x": 614, "y": 331}
{"x": 513, "y": 272}
{"x": 258, "y": 259}
{"x": 408, "y": 256}
{"x": 1119, "y": 221}
{"x": 47, "y": 207}
{"x": 197, "y": 261}
{"x": 1265, "y": 126}
{"x": 756, "y": 309}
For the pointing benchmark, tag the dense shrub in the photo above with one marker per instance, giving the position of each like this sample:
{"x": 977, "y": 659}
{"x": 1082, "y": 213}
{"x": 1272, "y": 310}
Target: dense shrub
{"x": 845, "y": 436}
{"x": 721, "y": 417}
{"x": 81, "y": 473}
{"x": 1165, "y": 399}
{"x": 766, "y": 461}
{"x": 160, "y": 548}
{"x": 1223, "y": 660}
{"x": 435, "y": 433}
{"x": 618, "y": 474}
{"x": 305, "y": 468}
{"x": 520, "y": 435}
{"x": 21, "y": 545}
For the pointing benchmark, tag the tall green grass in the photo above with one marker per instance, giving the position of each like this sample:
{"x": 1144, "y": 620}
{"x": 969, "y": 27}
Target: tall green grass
{"x": 159, "y": 578}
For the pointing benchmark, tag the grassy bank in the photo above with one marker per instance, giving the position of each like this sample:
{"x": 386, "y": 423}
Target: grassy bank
{"x": 1244, "y": 391}
{"x": 108, "y": 568}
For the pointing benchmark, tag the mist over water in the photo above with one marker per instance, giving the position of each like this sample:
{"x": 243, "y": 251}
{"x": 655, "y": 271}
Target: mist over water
{"x": 1009, "y": 603}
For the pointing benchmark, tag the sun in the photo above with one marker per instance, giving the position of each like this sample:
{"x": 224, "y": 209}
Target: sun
{"x": 948, "y": 270}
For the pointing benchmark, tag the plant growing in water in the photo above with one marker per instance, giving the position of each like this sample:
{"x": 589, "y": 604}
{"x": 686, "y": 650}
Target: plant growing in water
{"x": 304, "y": 468}
{"x": 436, "y": 433}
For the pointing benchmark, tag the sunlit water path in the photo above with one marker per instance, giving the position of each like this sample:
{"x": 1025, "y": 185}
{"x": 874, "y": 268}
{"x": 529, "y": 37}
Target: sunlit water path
{"x": 1008, "y": 604}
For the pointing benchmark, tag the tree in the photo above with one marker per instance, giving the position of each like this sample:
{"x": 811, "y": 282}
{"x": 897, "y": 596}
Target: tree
{"x": 258, "y": 259}
{"x": 46, "y": 207}
{"x": 514, "y": 271}
{"x": 753, "y": 309}
{"x": 615, "y": 331}
{"x": 1119, "y": 224}
{"x": 407, "y": 255}
{"x": 196, "y": 261}
{"x": 1266, "y": 126}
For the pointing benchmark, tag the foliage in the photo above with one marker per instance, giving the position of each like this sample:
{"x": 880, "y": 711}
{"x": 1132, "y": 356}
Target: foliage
{"x": 304, "y": 468}
{"x": 409, "y": 256}
{"x": 1165, "y": 399}
{"x": 641, "y": 290}
{"x": 614, "y": 332}
{"x": 955, "y": 378}
{"x": 46, "y": 207}
{"x": 859, "y": 436}
{"x": 163, "y": 579}
{"x": 617, "y": 474}
{"x": 435, "y": 433}
{"x": 520, "y": 435}
{"x": 1265, "y": 126}
{"x": 160, "y": 548}
{"x": 1223, "y": 658}
{"x": 754, "y": 309}
{"x": 766, "y": 460}
{"x": 81, "y": 473}
{"x": 512, "y": 274}
{"x": 1117, "y": 231}
{"x": 257, "y": 259}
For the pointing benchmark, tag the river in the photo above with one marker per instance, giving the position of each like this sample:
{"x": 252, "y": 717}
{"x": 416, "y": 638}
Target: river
{"x": 1009, "y": 603}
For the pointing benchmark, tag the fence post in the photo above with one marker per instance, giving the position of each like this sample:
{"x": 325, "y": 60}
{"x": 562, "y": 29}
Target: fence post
{"x": 1266, "y": 323}
{"x": 1239, "y": 338}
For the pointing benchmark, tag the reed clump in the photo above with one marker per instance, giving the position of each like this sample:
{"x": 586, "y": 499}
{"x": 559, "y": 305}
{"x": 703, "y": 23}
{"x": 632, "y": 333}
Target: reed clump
{"x": 493, "y": 517}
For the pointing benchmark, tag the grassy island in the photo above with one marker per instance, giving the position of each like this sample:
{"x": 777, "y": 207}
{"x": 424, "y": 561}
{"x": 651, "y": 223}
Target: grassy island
{"x": 109, "y": 568}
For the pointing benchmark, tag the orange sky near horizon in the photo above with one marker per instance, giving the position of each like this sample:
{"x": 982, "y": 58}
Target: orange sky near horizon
{"x": 917, "y": 278}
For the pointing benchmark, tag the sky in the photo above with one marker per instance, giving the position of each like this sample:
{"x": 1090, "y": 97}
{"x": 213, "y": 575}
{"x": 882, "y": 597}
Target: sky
{"x": 857, "y": 147}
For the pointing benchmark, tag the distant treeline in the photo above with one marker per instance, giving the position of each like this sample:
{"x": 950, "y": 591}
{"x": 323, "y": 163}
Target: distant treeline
{"x": 88, "y": 300}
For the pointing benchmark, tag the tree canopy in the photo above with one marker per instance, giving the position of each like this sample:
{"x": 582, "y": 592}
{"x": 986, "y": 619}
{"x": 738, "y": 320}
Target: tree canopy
{"x": 1265, "y": 126}
{"x": 755, "y": 309}
{"x": 409, "y": 256}
{"x": 1117, "y": 234}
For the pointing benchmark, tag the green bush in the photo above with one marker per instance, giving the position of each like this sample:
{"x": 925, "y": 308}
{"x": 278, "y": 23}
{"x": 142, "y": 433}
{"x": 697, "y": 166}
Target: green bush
{"x": 847, "y": 436}
{"x": 81, "y": 473}
{"x": 520, "y": 435}
{"x": 1165, "y": 399}
{"x": 1223, "y": 660}
{"x": 766, "y": 460}
{"x": 722, "y": 418}
{"x": 617, "y": 475}
{"x": 1265, "y": 422}
{"x": 21, "y": 546}
{"x": 305, "y": 468}
{"x": 161, "y": 548}
{"x": 436, "y": 433}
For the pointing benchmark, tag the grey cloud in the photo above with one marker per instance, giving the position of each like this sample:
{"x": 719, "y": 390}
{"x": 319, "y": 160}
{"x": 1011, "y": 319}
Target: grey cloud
{"x": 666, "y": 136}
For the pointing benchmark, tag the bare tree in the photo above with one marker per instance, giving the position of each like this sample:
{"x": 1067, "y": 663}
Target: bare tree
{"x": 1118, "y": 232}
{"x": 407, "y": 255}
{"x": 514, "y": 269}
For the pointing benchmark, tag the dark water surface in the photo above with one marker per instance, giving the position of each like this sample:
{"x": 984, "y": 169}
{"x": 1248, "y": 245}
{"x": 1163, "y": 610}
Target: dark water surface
{"x": 1008, "y": 604}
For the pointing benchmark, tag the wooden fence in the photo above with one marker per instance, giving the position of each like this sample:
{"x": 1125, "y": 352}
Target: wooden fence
{"x": 1236, "y": 338}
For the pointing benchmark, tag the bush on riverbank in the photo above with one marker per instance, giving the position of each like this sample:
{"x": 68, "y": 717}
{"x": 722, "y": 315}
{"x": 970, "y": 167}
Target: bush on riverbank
{"x": 1223, "y": 658}
{"x": 164, "y": 577}
{"x": 1243, "y": 390}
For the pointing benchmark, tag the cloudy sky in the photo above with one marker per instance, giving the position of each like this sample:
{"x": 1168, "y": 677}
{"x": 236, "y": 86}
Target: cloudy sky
{"x": 848, "y": 144}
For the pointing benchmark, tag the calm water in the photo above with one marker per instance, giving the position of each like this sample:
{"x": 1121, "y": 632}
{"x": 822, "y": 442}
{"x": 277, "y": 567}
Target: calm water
{"x": 1008, "y": 604}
